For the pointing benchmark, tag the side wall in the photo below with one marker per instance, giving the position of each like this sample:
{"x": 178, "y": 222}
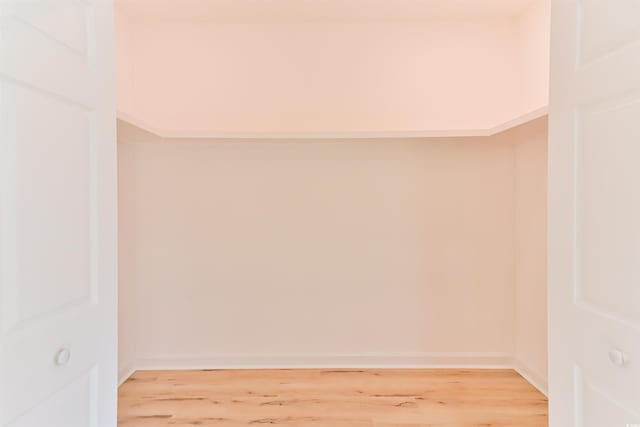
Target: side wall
{"x": 534, "y": 33}
{"x": 531, "y": 250}
{"x": 125, "y": 55}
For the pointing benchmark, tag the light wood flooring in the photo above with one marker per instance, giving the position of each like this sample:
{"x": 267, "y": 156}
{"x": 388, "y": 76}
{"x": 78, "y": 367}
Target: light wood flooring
{"x": 331, "y": 398}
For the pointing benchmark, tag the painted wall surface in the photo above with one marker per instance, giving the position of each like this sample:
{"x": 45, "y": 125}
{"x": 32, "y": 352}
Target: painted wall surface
{"x": 534, "y": 30}
{"x": 317, "y": 252}
{"x": 445, "y": 74}
{"x": 125, "y": 54}
{"x": 128, "y": 300}
{"x": 324, "y": 76}
{"x": 531, "y": 244}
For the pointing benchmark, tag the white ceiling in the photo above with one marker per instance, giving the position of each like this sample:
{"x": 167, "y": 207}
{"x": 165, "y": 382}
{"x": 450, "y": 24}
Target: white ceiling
{"x": 316, "y": 10}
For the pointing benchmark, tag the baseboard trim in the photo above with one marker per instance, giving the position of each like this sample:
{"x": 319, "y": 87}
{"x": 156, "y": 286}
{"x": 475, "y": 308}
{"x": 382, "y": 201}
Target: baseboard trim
{"x": 532, "y": 376}
{"x": 125, "y": 371}
{"x": 335, "y": 361}
{"x": 340, "y": 360}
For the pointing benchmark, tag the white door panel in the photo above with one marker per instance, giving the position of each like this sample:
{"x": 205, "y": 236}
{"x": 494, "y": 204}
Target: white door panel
{"x": 598, "y": 408}
{"x": 65, "y": 21}
{"x": 73, "y": 405}
{"x": 57, "y": 214}
{"x": 51, "y": 66}
{"x": 63, "y": 207}
{"x": 605, "y": 26}
{"x": 594, "y": 211}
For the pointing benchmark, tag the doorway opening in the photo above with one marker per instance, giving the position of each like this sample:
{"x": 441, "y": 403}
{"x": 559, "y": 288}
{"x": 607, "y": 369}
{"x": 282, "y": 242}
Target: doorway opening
{"x": 332, "y": 187}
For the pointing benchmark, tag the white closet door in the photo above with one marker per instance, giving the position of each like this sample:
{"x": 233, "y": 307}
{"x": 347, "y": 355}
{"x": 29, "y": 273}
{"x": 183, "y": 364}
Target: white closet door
{"x": 594, "y": 214}
{"x": 58, "y": 311}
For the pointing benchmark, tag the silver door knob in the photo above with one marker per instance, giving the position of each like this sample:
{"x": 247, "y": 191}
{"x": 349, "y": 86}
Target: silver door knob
{"x": 617, "y": 357}
{"x": 63, "y": 356}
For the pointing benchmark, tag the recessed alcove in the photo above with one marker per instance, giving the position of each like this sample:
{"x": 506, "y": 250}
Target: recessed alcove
{"x": 333, "y": 183}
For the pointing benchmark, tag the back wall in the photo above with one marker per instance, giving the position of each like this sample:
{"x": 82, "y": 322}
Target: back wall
{"x": 274, "y": 253}
{"x": 301, "y": 253}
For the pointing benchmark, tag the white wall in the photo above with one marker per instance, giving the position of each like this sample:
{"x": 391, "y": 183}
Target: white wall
{"x": 534, "y": 34}
{"x": 459, "y": 74}
{"x": 125, "y": 52}
{"x": 395, "y": 251}
{"x": 353, "y": 252}
{"x": 317, "y": 77}
{"x": 128, "y": 301}
{"x": 531, "y": 244}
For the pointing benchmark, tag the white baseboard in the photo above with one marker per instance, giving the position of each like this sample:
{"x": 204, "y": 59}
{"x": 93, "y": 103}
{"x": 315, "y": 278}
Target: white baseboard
{"x": 335, "y": 360}
{"x": 533, "y": 377}
{"x": 124, "y": 371}
{"x": 319, "y": 360}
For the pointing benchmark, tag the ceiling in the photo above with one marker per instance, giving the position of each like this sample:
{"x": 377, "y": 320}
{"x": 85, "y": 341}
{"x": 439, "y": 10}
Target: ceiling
{"x": 252, "y": 11}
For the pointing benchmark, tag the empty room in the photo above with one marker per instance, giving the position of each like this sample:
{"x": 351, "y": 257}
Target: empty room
{"x": 331, "y": 213}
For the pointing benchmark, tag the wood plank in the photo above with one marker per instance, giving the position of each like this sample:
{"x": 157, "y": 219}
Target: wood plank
{"x": 331, "y": 398}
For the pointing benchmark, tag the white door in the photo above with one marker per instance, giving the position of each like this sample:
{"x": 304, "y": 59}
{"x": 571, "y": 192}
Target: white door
{"x": 594, "y": 214}
{"x": 57, "y": 214}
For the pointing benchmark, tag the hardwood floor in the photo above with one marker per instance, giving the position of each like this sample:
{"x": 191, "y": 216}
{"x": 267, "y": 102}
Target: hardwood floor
{"x": 331, "y": 398}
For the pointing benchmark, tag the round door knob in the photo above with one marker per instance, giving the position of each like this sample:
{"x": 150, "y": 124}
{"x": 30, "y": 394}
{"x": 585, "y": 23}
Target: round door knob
{"x": 63, "y": 356}
{"x": 617, "y": 357}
